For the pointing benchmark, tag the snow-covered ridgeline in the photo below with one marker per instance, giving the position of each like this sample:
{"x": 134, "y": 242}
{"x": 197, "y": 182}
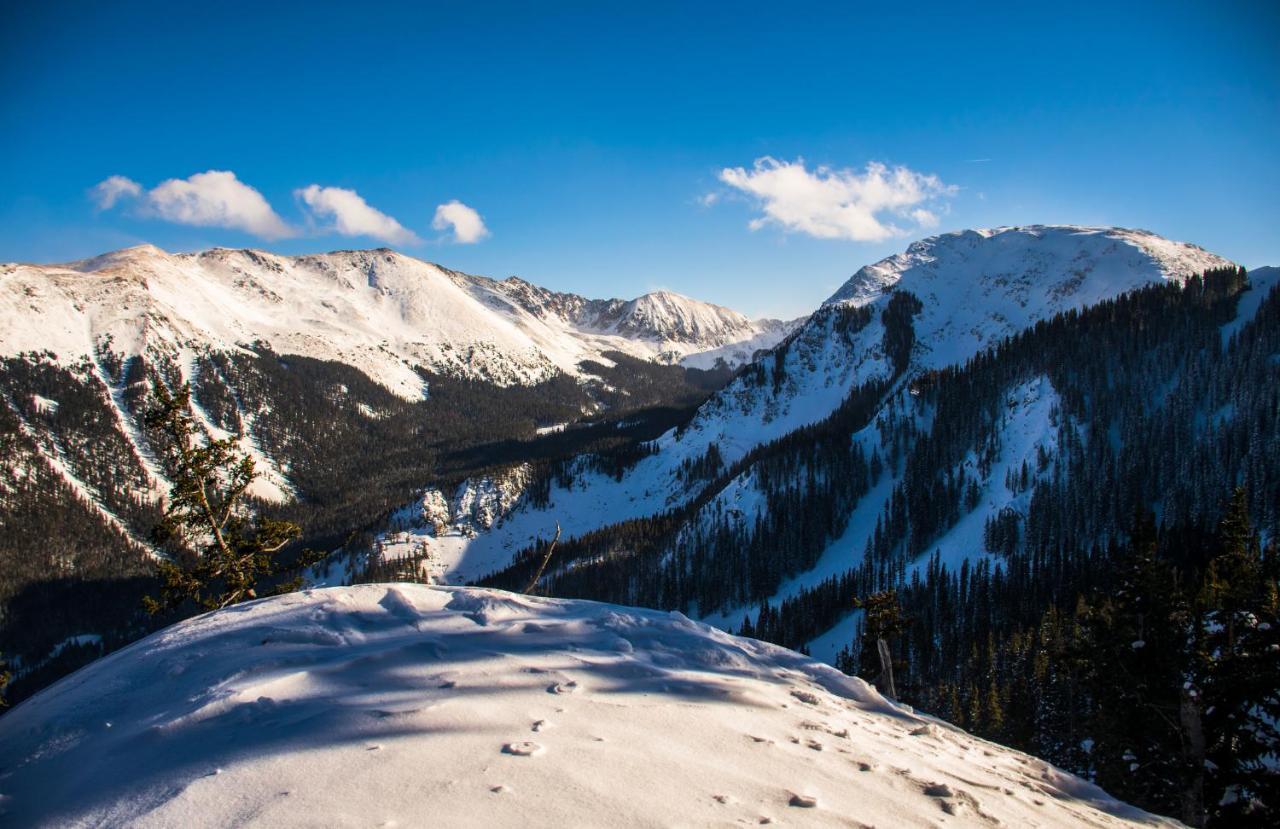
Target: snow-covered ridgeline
{"x": 387, "y": 704}
{"x": 379, "y": 311}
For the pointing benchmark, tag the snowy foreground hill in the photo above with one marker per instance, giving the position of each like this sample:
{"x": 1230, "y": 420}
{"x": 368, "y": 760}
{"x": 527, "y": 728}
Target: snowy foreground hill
{"x": 405, "y": 705}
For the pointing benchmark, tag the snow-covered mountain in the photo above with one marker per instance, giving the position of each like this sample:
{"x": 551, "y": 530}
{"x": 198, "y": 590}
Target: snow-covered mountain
{"x": 405, "y": 705}
{"x": 381, "y": 311}
{"x": 1037, "y": 265}
{"x": 974, "y": 288}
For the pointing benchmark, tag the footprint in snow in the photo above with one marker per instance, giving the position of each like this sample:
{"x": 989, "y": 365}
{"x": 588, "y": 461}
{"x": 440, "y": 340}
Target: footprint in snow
{"x": 523, "y": 748}
{"x": 803, "y": 801}
{"x": 541, "y": 725}
{"x": 570, "y": 687}
{"x": 954, "y": 801}
{"x": 805, "y": 697}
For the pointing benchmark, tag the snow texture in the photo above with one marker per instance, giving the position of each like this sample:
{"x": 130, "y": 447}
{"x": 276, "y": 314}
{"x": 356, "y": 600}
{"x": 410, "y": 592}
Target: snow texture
{"x": 412, "y": 705}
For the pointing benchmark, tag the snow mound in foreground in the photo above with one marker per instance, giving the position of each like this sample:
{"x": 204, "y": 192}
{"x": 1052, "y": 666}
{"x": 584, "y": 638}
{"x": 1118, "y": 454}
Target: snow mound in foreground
{"x": 410, "y": 705}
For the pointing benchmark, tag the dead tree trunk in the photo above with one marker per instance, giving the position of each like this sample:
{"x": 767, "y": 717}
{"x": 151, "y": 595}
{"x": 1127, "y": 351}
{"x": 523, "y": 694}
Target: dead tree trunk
{"x": 884, "y": 682}
{"x": 1193, "y": 751}
{"x": 533, "y": 582}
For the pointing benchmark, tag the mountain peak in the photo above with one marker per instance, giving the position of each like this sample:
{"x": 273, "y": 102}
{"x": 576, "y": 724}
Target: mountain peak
{"x": 676, "y": 317}
{"x": 1061, "y": 259}
{"x": 115, "y": 258}
{"x": 664, "y": 295}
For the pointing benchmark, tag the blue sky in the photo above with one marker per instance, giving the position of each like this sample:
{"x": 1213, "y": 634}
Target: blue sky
{"x": 611, "y": 149}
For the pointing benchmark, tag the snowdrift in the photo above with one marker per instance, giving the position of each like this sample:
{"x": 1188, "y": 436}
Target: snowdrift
{"x": 406, "y": 705}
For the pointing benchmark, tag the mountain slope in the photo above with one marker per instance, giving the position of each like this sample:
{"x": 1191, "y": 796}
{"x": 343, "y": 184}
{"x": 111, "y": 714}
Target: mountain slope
{"x": 379, "y": 311}
{"x": 973, "y": 289}
{"x": 387, "y": 704}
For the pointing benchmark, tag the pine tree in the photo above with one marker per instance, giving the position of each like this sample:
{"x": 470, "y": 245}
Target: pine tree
{"x": 1237, "y": 675}
{"x": 1136, "y": 635}
{"x": 992, "y": 713}
{"x": 235, "y": 550}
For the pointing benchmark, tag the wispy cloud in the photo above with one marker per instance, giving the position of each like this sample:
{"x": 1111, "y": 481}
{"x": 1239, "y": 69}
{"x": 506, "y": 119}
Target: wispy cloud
{"x": 465, "y": 223}
{"x": 351, "y": 215}
{"x": 838, "y": 204}
{"x": 112, "y": 189}
{"x": 211, "y": 199}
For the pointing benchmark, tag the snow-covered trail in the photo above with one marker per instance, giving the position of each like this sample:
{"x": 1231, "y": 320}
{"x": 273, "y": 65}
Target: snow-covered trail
{"x": 407, "y": 705}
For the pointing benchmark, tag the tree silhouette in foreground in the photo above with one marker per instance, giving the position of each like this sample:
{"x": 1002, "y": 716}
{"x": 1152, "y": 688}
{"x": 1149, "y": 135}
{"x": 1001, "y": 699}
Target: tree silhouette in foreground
{"x": 234, "y": 549}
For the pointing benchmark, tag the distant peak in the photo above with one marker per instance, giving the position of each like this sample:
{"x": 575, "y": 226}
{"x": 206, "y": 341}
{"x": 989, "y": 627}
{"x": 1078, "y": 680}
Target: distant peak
{"x": 146, "y": 248}
{"x": 135, "y": 253}
{"x": 665, "y": 296}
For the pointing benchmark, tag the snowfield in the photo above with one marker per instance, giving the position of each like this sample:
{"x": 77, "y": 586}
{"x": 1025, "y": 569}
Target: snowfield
{"x": 407, "y": 705}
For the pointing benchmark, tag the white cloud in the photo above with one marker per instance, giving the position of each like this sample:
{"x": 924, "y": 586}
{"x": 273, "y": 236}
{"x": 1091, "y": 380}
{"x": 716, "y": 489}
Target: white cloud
{"x": 925, "y": 218}
{"x": 112, "y": 189}
{"x": 466, "y": 223}
{"x": 352, "y": 215}
{"x": 217, "y": 199}
{"x": 837, "y": 204}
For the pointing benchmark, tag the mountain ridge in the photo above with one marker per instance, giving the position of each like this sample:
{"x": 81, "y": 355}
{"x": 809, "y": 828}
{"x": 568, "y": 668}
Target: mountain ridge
{"x": 381, "y": 311}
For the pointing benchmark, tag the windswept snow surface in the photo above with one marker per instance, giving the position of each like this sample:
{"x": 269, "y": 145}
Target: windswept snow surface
{"x": 405, "y": 705}
{"x": 377, "y": 310}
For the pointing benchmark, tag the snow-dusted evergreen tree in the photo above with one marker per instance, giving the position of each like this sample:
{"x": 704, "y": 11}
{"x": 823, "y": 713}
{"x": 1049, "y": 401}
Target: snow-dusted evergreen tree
{"x": 1134, "y": 658}
{"x": 1235, "y": 674}
{"x": 234, "y": 549}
